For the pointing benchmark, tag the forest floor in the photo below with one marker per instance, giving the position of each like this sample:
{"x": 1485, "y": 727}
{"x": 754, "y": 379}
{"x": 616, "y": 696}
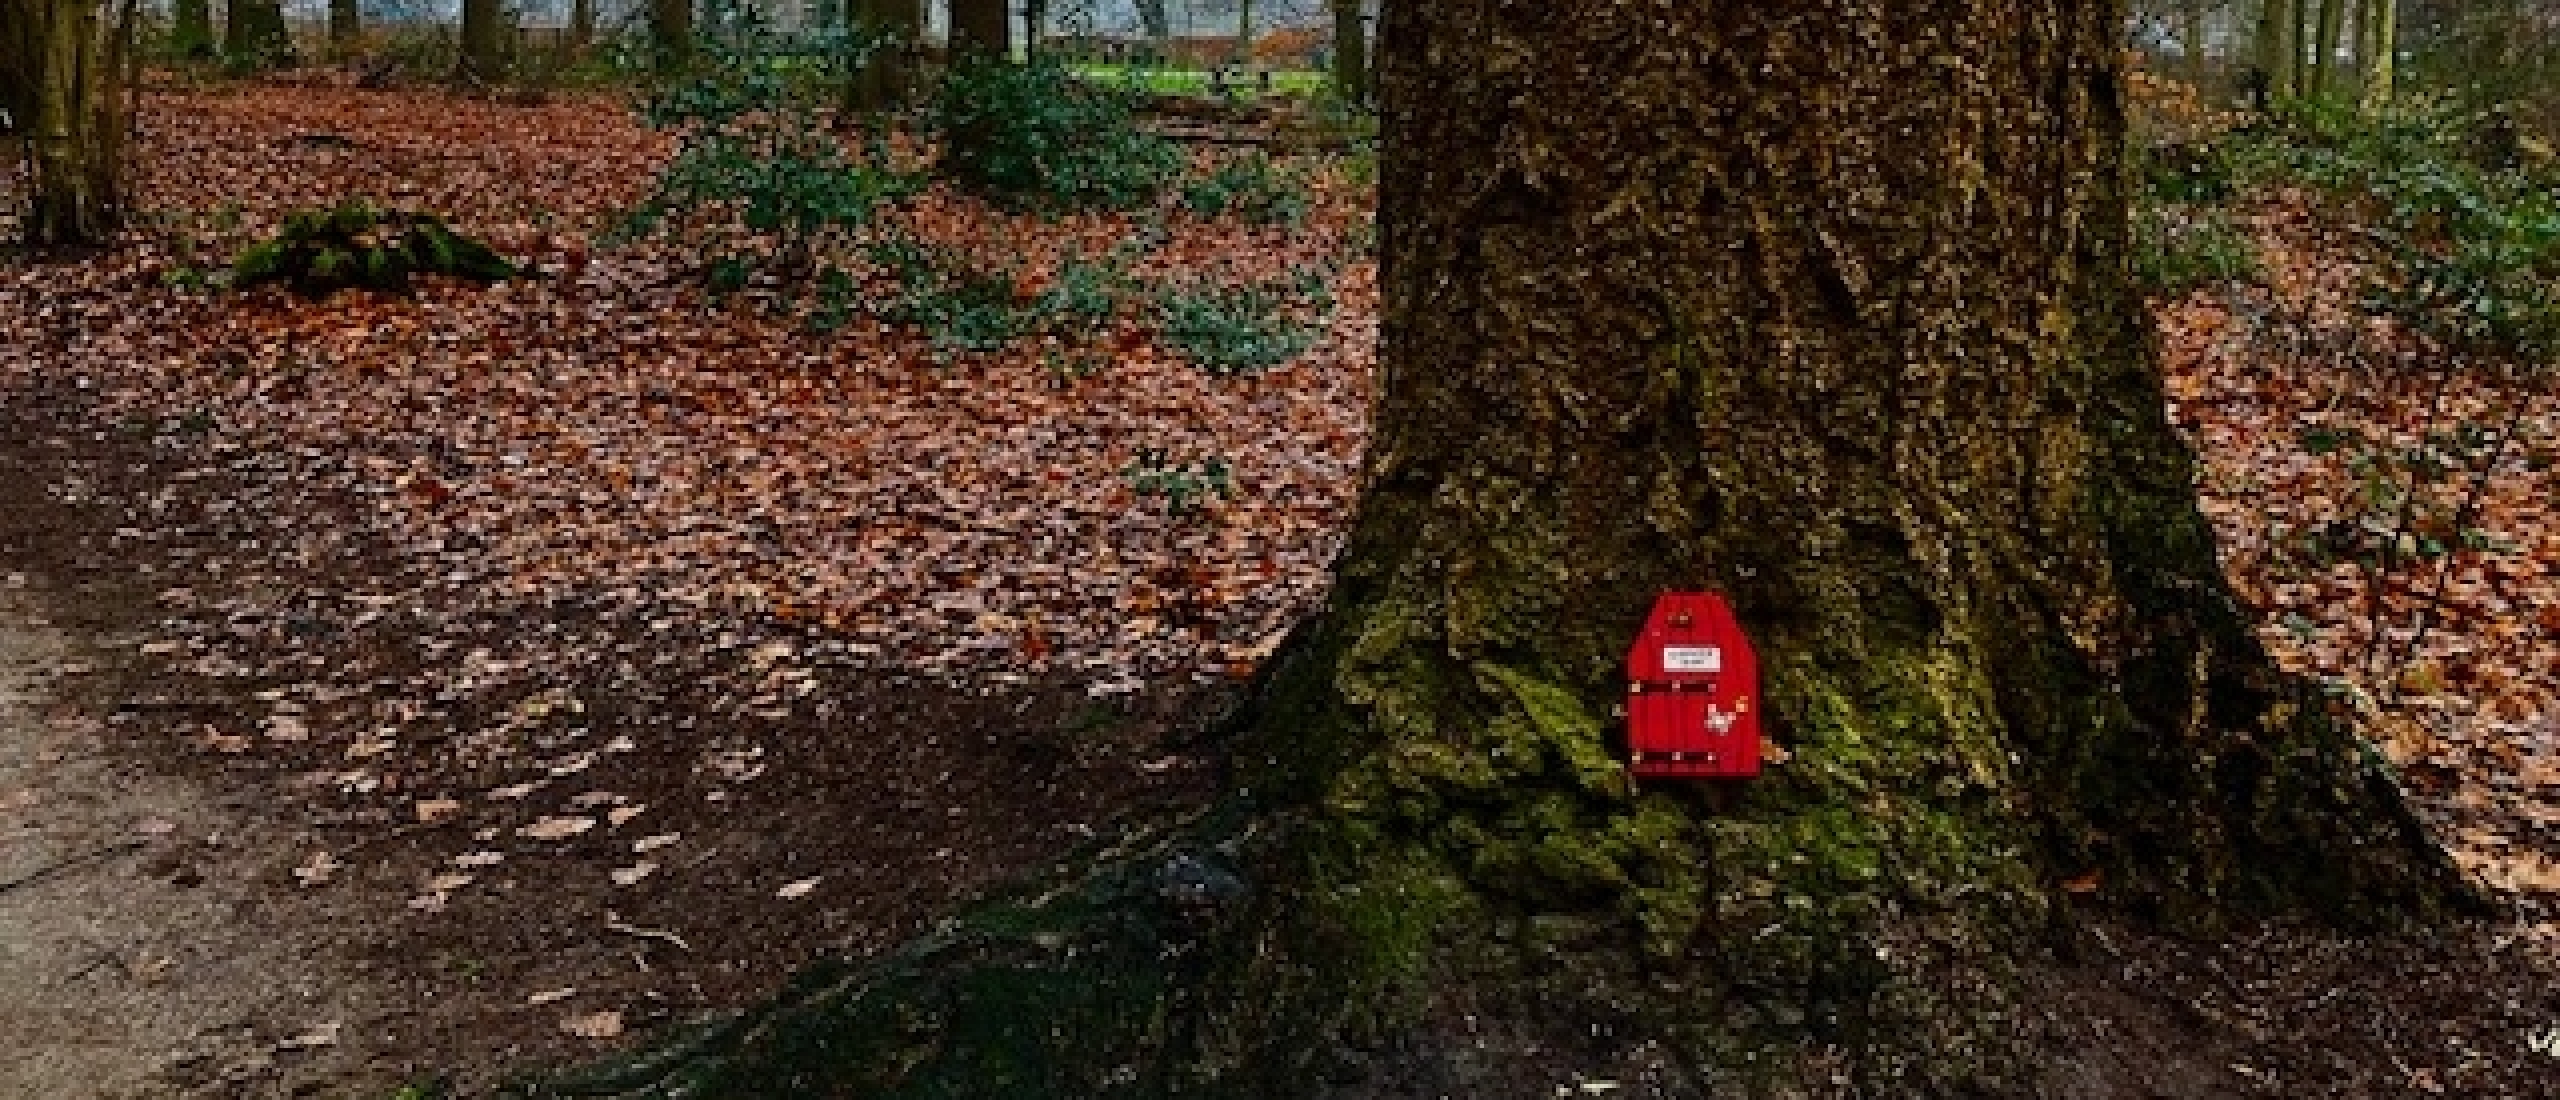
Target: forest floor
{"x": 445, "y": 687}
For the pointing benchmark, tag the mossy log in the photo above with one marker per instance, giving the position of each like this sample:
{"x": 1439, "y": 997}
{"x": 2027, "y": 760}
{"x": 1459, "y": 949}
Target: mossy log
{"x": 1824, "y": 306}
{"x": 320, "y": 252}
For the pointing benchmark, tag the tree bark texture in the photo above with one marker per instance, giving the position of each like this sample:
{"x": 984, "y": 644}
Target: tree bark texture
{"x": 1824, "y": 306}
{"x": 2382, "y": 36}
{"x": 982, "y": 27}
{"x": 68, "y": 60}
{"x": 2324, "y": 48}
{"x": 582, "y": 25}
{"x": 2280, "y": 48}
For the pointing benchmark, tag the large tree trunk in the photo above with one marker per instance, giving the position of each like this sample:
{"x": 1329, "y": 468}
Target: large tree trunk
{"x": 1824, "y": 307}
{"x": 982, "y": 27}
{"x": 1155, "y": 20}
{"x": 67, "y": 60}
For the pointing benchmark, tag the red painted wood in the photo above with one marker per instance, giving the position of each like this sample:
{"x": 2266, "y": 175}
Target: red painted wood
{"x": 1693, "y": 692}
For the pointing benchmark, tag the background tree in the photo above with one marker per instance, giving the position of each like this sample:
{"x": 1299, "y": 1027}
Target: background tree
{"x": 63, "y": 65}
{"x": 888, "y": 75}
{"x": 2324, "y": 81}
{"x": 253, "y": 34}
{"x": 983, "y": 27}
{"x": 1822, "y": 307}
{"x": 483, "y": 40}
{"x": 1351, "y": 51}
{"x": 2280, "y": 48}
{"x": 2382, "y": 40}
{"x": 346, "y": 25}
{"x": 191, "y": 29}
{"x": 671, "y": 36}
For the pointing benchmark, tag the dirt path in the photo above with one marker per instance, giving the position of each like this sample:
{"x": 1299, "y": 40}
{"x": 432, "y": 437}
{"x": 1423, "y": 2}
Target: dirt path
{"x": 133, "y": 960}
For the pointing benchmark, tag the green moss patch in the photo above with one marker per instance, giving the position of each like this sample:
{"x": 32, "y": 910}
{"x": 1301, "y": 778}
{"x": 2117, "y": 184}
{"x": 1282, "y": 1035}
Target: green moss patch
{"x": 354, "y": 245}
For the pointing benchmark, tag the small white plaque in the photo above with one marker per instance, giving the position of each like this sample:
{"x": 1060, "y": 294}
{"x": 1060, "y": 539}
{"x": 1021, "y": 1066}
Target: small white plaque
{"x": 1692, "y": 658}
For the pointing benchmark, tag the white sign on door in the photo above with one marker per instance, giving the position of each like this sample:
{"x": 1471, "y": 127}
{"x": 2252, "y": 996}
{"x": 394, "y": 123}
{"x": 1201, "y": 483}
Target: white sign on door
{"x": 1692, "y": 658}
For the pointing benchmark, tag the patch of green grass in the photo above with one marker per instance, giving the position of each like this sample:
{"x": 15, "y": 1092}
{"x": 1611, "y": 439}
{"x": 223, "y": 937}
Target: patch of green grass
{"x": 1293, "y": 83}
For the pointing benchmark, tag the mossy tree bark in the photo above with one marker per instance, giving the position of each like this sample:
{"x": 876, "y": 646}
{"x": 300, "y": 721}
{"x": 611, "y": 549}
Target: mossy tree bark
{"x": 1822, "y": 305}
{"x": 65, "y": 64}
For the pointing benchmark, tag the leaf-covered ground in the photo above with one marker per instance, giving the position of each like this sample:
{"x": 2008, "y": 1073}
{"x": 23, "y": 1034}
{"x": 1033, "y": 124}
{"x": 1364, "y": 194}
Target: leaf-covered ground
{"x": 595, "y": 653}
{"x": 2387, "y": 505}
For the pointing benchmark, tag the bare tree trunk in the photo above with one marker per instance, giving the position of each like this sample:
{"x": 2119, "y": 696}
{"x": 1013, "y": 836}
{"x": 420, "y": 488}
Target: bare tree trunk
{"x": 2280, "y": 49}
{"x": 2191, "y": 39}
{"x": 671, "y": 36}
{"x": 888, "y": 76}
{"x": 983, "y": 27}
{"x": 69, "y": 58}
{"x": 582, "y": 25}
{"x": 483, "y": 41}
{"x": 254, "y": 34}
{"x": 1156, "y": 21}
{"x": 2382, "y": 34}
{"x": 2324, "y": 49}
{"x": 1244, "y": 32}
{"x": 191, "y": 28}
{"x": 1351, "y": 52}
{"x": 346, "y": 25}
